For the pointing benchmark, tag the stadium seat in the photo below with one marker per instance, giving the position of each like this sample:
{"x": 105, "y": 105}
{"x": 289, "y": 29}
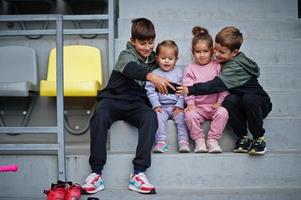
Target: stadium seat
{"x": 85, "y": 7}
{"x": 82, "y": 76}
{"x": 31, "y": 7}
{"x": 18, "y": 79}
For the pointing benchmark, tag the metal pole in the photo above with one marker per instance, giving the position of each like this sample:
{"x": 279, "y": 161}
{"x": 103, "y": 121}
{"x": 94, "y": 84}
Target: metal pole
{"x": 111, "y": 36}
{"x": 60, "y": 98}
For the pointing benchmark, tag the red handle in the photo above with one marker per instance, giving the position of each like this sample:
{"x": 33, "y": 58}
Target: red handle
{"x": 8, "y": 168}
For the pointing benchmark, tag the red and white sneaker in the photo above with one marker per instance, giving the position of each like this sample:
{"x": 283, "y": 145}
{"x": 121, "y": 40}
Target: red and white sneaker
{"x": 139, "y": 183}
{"x": 93, "y": 184}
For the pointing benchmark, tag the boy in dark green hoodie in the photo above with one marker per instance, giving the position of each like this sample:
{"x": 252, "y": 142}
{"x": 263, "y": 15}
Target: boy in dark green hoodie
{"x": 124, "y": 98}
{"x": 248, "y": 104}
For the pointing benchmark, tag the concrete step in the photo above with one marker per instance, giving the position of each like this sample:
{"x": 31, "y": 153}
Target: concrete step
{"x": 228, "y": 172}
{"x": 175, "y": 29}
{"x": 280, "y": 77}
{"x": 282, "y": 134}
{"x": 285, "y": 103}
{"x": 204, "y": 193}
{"x": 193, "y": 9}
{"x": 283, "y": 193}
{"x": 284, "y": 121}
{"x": 261, "y": 51}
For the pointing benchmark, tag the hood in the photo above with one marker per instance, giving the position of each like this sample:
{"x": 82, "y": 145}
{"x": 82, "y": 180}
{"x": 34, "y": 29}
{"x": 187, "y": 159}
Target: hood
{"x": 249, "y": 65}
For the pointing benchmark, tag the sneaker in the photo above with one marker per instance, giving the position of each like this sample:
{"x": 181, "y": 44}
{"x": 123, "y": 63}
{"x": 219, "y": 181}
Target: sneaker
{"x": 57, "y": 192}
{"x": 93, "y": 184}
{"x": 160, "y": 147}
{"x": 258, "y": 147}
{"x": 73, "y": 192}
{"x": 213, "y": 146}
{"x": 243, "y": 145}
{"x": 184, "y": 147}
{"x": 139, "y": 183}
{"x": 200, "y": 146}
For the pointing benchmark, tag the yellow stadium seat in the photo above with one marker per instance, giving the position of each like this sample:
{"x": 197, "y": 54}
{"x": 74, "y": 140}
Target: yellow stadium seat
{"x": 82, "y": 78}
{"x": 82, "y": 72}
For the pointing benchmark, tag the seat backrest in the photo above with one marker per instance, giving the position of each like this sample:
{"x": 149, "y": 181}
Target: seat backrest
{"x": 81, "y": 63}
{"x": 18, "y": 63}
{"x": 32, "y": 6}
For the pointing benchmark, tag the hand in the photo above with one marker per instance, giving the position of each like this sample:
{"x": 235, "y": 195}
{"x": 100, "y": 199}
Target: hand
{"x": 160, "y": 83}
{"x": 176, "y": 111}
{"x": 182, "y": 90}
{"x": 158, "y": 109}
{"x": 189, "y": 107}
{"x": 216, "y": 105}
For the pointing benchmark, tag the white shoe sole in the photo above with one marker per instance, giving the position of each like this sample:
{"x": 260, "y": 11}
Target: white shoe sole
{"x": 258, "y": 153}
{"x": 94, "y": 191}
{"x": 133, "y": 188}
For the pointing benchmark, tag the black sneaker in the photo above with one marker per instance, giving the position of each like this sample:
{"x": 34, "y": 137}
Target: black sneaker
{"x": 258, "y": 147}
{"x": 243, "y": 145}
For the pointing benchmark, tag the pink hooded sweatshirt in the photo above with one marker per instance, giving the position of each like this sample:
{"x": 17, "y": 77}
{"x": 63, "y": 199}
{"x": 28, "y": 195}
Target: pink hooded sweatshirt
{"x": 195, "y": 73}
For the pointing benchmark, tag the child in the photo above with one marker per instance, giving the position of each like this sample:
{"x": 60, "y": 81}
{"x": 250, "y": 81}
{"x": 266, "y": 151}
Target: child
{"x": 168, "y": 106}
{"x": 124, "y": 98}
{"x": 248, "y": 104}
{"x": 204, "y": 107}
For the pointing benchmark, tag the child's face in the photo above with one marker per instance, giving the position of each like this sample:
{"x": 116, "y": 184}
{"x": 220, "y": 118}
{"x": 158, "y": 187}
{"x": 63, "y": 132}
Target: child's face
{"x": 223, "y": 54}
{"x": 143, "y": 47}
{"x": 202, "y": 53}
{"x": 166, "y": 58}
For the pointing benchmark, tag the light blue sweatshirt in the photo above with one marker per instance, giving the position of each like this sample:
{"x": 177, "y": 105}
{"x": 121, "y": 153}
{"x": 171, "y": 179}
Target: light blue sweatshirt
{"x": 157, "y": 99}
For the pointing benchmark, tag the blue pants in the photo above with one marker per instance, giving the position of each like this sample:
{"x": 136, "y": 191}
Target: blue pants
{"x": 161, "y": 134}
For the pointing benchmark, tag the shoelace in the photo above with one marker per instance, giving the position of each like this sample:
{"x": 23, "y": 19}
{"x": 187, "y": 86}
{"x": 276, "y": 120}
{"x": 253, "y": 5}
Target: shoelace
{"x": 91, "y": 178}
{"x": 258, "y": 141}
{"x": 244, "y": 140}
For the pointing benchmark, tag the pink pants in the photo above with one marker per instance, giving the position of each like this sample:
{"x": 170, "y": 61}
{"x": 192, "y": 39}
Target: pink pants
{"x": 195, "y": 119}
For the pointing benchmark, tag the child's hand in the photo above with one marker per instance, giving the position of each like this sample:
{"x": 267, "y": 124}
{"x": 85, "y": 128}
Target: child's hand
{"x": 160, "y": 83}
{"x": 176, "y": 111}
{"x": 182, "y": 90}
{"x": 189, "y": 107}
{"x": 158, "y": 109}
{"x": 216, "y": 105}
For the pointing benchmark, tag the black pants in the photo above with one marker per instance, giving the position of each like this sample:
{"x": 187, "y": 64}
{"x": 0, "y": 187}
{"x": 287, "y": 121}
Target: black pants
{"x": 246, "y": 112}
{"x": 137, "y": 114}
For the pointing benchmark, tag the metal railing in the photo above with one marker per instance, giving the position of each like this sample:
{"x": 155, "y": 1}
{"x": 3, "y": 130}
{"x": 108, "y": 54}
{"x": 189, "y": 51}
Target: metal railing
{"x": 59, "y": 32}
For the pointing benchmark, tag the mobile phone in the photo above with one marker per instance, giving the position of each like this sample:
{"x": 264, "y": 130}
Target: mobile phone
{"x": 169, "y": 89}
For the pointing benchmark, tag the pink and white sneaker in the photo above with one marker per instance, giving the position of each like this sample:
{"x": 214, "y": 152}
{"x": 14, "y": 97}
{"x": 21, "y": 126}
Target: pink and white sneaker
{"x": 139, "y": 183}
{"x": 213, "y": 146}
{"x": 93, "y": 184}
{"x": 160, "y": 147}
{"x": 200, "y": 146}
{"x": 183, "y": 147}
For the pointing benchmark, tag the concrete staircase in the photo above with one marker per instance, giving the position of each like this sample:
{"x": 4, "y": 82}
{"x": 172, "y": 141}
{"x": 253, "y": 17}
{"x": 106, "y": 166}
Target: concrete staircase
{"x": 272, "y": 38}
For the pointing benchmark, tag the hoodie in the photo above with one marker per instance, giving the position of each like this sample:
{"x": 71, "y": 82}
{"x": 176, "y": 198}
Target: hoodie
{"x": 128, "y": 76}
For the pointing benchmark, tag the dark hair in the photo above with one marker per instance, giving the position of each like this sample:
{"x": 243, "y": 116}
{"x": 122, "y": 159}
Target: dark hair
{"x": 143, "y": 29}
{"x": 167, "y": 43}
{"x": 200, "y": 33}
{"x": 229, "y": 37}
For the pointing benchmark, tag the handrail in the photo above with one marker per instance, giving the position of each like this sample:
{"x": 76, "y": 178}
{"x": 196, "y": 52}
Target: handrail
{"x": 59, "y": 32}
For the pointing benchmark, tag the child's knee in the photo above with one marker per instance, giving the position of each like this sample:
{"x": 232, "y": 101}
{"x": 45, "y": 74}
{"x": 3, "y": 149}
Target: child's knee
{"x": 222, "y": 112}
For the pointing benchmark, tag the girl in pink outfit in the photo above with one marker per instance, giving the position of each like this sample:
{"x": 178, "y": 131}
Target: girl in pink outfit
{"x": 202, "y": 108}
